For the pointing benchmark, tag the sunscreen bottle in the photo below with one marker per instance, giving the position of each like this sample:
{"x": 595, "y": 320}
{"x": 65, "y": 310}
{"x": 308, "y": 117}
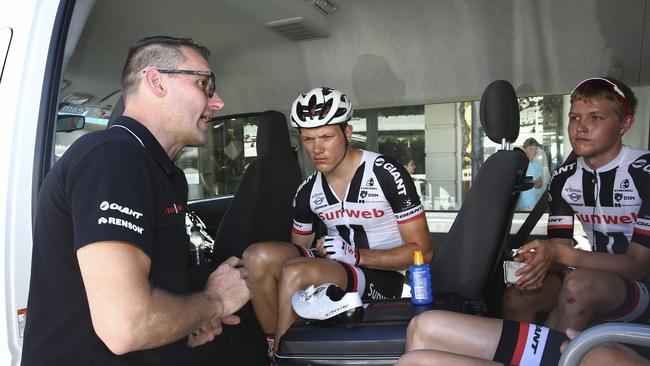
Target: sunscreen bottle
{"x": 420, "y": 274}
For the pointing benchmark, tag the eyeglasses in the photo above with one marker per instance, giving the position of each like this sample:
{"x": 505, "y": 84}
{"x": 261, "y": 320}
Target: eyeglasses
{"x": 604, "y": 84}
{"x": 209, "y": 88}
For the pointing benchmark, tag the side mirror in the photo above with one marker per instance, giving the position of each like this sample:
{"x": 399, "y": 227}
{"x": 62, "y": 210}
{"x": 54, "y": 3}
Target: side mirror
{"x": 70, "y": 122}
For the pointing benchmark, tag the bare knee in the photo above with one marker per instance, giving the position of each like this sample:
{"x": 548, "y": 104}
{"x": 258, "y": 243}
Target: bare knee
{"x": 260, "y": 257}
{"x": 424, "y": 328}
{"x": 513, "y": 299}
{"x": 577, "y": 288}
{"x": 294, "y": 272}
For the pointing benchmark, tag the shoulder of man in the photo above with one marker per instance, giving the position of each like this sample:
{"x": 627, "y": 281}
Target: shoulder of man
{"x": 639, "y": 167}
{"x": 567, "y": 169}
{"x": 396, "y": 182}
{"x": 303, "y": 192}
{"x": 309, "y": 181}
{"x": 386, "y": 162}
{"x": 638, "y": 158}
{"x": 105, "y": 147}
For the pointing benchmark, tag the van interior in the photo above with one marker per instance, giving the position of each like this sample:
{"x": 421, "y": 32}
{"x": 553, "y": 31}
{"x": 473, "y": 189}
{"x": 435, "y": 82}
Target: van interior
{"x": 415, "y": 72}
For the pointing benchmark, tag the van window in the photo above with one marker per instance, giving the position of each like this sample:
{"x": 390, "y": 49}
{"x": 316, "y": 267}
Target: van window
{"x": 216, "y": 169}
{"x": 96, "y": 118}
{"x": 439, "y": 140}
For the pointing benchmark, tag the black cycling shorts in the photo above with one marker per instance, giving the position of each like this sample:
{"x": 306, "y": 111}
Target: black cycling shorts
{"x": 528, "y": 344}
{"x": 635, "y": 307}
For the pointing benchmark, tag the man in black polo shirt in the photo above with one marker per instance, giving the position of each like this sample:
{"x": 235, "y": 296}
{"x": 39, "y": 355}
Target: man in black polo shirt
{"x": 109, "y": 264}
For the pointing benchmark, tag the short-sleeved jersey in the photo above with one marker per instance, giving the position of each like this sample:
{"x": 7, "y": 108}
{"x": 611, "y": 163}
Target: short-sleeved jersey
{"x": 113, "y": 185}
{"x": 380, "y": 196}
{"x": 612, "y": 202}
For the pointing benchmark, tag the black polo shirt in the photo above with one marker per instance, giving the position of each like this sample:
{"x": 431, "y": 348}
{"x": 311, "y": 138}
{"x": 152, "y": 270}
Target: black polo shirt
{"x": 116, "y": 184}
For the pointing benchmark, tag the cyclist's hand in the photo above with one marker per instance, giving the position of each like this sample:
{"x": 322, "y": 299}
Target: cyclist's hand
{"x": 340, "y": 250}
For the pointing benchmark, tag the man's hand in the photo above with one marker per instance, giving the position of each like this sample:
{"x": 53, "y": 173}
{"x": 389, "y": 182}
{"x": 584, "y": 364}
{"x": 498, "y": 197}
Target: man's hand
{"x": 340, "y": 250}
{"x": 540, "y": 255}
{"x": 228, "y": 286}
{"x": 209, "y": 330}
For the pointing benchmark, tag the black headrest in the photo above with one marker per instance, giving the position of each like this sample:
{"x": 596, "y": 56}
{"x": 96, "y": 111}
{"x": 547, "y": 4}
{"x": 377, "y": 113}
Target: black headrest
{"x": 118, "y": 111}
{"x": 500, "y": 112}
{"x": 272, "y": 134}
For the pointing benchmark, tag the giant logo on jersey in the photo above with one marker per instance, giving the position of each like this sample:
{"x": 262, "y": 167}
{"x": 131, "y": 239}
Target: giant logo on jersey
{"x": 563, "y": 169}
{"x": 351, "y": 213}
{"x": 105, "y": 205}
{"x": 641, "y": 164}
{"x": 397, "y": 177}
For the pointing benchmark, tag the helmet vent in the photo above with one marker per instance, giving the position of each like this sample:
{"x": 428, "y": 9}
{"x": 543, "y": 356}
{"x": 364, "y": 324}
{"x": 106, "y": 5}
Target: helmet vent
{"x": 296, "y": 29}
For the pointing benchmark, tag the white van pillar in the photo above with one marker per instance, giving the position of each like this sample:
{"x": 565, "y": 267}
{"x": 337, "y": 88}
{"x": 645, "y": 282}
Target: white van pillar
{"x": 441, "y": 159}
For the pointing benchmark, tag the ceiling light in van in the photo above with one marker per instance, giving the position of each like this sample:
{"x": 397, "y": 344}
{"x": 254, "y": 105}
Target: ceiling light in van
{"x": 327, "y": 7}
{"x": 296, "y": 29}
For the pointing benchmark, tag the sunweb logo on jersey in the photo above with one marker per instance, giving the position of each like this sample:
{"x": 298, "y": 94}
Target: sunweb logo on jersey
{"x": 351, "y": 213}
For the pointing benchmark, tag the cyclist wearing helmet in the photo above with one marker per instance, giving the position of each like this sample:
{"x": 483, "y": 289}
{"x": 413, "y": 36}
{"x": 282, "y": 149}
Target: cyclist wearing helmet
{"x": 366, "y": 200}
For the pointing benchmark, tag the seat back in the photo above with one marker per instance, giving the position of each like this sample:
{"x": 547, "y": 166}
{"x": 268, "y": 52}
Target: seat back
{"x": 261, "y": 210}
{"x": 468, "y": 256}
{"x": 262, "y": 207}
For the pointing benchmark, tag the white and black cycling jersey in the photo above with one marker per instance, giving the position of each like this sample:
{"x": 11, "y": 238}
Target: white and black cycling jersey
{"x": 612, "y": 202}
{"x": 380, "y": 196}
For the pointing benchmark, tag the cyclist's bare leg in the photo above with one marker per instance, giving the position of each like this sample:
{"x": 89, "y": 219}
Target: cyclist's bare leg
{"x": 525, "y": 305}
{"x": 586, "y": 293}
{"x": 451, "y": 332}
{"x": 427, "y": 357}
{"x": 264, "y": 263}
{"x": 297, "y": 274}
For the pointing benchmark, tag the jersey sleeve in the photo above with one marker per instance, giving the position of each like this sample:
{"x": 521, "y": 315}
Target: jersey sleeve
{"x": 111, "y": 197}
{"x": 560, "y": 213}
{"x": 640, "y": 172}
{"x": 303, "y": 217}
{"x": 399, "y": 189}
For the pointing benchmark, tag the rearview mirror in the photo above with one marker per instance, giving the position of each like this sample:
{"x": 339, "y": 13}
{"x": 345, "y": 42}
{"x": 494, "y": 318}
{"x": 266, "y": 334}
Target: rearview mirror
{"x": 70, "y": 122}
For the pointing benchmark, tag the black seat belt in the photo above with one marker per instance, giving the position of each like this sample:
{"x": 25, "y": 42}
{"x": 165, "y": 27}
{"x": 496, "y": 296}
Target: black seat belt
{"x": 536, "y": 213}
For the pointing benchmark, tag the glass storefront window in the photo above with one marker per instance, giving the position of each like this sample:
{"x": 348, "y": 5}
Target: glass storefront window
{"x": 444, "y": 144}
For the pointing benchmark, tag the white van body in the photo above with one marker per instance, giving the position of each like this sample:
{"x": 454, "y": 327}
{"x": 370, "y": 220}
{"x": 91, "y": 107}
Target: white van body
{"x": 26, "y": 27}
{"x": 383, "y": 53}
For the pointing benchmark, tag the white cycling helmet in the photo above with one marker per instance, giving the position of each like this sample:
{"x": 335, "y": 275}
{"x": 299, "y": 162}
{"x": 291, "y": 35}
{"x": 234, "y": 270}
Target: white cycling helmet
{"x": 319, "y": 107}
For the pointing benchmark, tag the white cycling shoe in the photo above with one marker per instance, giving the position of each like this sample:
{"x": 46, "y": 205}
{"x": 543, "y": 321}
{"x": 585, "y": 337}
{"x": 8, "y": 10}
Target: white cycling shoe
{"x": 328, "y": 304}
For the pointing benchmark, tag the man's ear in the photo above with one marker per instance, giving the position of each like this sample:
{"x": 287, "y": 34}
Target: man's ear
{"x": 626, "y": 124}
{"x": 348, "y": 132}
{"x": 154, "y": 82}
